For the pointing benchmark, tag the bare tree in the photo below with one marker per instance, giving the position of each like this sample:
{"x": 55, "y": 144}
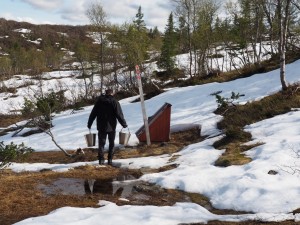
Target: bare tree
{"x": 197, "y": 17}
{"x": 283, "y": 12}
{"x": 83, "y": 57}
{"x": 98, "y": 19}
{"x": 37, "y": 121}
{"x": 39, "y": 114}
{"x": 270, "y": 15}
{"x": 279, "y": 14}
{"x": 186, "y": 10}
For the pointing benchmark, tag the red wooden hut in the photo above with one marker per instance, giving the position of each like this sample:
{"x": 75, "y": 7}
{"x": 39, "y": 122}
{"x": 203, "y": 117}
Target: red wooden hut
{"x": 159, "y": 126}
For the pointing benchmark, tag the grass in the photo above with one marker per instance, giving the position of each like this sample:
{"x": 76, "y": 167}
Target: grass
{"x": 7, "y": 120}
{"x": 236, "y": 117}
{"x": 177, "y": 142}
{"x": 21, "y": 198}
{"x": 21, "y": 189}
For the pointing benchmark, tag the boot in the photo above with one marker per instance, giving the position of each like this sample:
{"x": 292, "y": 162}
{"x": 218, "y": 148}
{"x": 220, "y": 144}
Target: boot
{"x": 101, "y": 161}
{"x": 101, "y": 155}
{"x": 109, "y": 157}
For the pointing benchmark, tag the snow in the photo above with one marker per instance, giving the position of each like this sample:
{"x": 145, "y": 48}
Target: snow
{"x": 244, "y": 188}
{"x": 23, "y": 30}
{"x": 136, "y": 215}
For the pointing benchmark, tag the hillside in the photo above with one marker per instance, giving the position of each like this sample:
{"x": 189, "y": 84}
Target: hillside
{"x": 239, "y": 166}
{"x": 195, "y": 171}
{"x": 27, "y": 35}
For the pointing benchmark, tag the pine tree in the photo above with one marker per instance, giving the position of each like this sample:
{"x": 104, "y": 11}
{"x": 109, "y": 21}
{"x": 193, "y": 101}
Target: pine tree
{"x": 168, "y": 50}
{"x": 139, "y": 22}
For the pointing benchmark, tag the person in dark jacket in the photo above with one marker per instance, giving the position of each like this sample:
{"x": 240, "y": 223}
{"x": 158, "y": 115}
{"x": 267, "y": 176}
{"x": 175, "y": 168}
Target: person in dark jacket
{"x": 108, "y": 111}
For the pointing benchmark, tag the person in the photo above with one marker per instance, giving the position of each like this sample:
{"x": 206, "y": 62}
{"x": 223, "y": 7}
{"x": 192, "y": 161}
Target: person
{"x": 107, "y": 110}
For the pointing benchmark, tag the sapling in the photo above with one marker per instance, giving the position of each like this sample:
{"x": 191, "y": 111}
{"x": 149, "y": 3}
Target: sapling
{"x": 225, "y": 102}
{"x": 11, "y": 152}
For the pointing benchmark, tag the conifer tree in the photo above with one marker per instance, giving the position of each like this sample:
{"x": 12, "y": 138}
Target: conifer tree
{"x": 168, "y": 50}
{"x": 139, "y": 21}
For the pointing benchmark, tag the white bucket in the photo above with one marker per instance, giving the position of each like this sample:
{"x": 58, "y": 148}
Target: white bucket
{"x": 90, "y": 139}
{"x": 124, "y": 137}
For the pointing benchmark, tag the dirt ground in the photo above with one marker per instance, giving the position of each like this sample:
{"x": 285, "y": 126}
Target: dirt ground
{"x": 25, "y": 194}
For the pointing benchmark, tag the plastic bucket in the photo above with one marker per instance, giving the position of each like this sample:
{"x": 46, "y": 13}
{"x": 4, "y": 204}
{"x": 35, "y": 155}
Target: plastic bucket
{"x": 124, "y": 137}
{"x": 90, "y": 139}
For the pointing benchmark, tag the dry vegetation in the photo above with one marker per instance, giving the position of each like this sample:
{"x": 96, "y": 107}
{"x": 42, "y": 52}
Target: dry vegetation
{"x": 22, "y": 196}
{"x": 20, "y": 191}
{"x": 239, "y": 116}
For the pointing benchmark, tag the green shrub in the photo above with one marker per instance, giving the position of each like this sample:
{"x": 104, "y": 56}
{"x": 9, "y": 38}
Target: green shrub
{"x": 226, "y": 102}
{"x": 53, "y": 102}
{"x": 43, "y": 107}
{"x": 28, "y": 108}
{"x": 235, "y": 133}
{"x": 223, "y": 102}
{"x": 11, "y": 152}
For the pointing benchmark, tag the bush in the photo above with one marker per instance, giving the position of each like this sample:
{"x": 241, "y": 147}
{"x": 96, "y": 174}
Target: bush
{"x": 235, "y": 133}
{"x": 53, "y": 102}
{"x": 42, "y": 108}
{"x": 45, "y": 105}
{"x": 11, "y": 152}
{"x": 172, "y": 74}
{"x": 223, "y": 102}
{"x": 28, "y": 108}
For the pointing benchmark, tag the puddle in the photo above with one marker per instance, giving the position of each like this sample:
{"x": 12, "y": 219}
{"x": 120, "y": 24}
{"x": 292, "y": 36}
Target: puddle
{"x": 124, "y": 189}
{"x": 121, "y": 186}
{"x": 65, "y": 186}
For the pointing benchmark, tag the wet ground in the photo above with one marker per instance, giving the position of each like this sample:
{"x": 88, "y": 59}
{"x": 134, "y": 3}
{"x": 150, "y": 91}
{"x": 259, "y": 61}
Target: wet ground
{"x": 26, "y": 193}
{"x": 125, "y": 189}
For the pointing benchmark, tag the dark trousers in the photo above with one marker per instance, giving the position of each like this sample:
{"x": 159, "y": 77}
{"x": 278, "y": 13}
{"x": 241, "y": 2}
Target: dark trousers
{"x": 101, "y": 143}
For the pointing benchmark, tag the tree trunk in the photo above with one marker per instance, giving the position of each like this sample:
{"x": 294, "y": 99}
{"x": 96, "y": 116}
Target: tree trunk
{"x": 283, "y": 23}
{"x": 102, "y": 64}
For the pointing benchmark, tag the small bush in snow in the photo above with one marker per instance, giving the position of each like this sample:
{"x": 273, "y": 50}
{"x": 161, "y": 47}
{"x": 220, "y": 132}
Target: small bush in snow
{"x": 11, "y": 152}
{"x": 223, "y": 102}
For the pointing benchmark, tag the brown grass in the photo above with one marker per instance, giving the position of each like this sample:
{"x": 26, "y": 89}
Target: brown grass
{"x": 21, "y": 198}
{"x": 7, "y": 120}
{"x": 177, "y": 141}
{"x": 236, "y": 117}
{"x": 233, "y": 156}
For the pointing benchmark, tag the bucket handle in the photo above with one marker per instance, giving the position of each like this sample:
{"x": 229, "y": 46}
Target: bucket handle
{"x": 127, "y": 128}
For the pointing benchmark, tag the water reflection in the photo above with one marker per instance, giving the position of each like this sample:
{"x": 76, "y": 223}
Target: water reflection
{"x": 121, "y": 186}
{"x": 65, "y": 186}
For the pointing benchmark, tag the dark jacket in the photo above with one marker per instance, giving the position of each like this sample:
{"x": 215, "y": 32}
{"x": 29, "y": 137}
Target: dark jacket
{"x": 107, "y": 110}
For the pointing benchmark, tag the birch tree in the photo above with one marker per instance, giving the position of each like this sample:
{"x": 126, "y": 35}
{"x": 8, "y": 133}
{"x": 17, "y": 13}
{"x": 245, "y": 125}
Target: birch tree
{"x": 196, "y": 16}
{"x": 186, "y": 10}
{"x": 98, "y": 19}
{"x": 284, "y": 13}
